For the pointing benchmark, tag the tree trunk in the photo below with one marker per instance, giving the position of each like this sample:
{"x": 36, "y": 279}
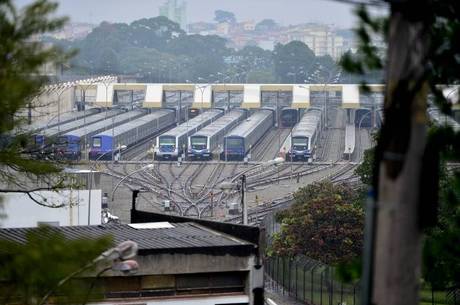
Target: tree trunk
{"x": 397, "y": 255}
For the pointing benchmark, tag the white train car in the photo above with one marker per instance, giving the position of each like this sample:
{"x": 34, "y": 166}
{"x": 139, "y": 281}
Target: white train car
{"x": 204, "y": 143}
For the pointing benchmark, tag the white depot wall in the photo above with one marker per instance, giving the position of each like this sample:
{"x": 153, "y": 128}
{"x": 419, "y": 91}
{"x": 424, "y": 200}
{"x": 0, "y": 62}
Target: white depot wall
{"x": 21, "y": 211}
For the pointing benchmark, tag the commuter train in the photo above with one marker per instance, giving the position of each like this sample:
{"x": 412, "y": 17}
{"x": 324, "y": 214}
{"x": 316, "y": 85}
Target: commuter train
{"x": 302, "y": 140}
{"x": 239, "y": 141}
{"x": 49, "y": 136}
{"x": 205, "y": 142}
{"x": 289, "y": 117}
{"x": 173, "y": 143}
{"x": 71, "y": 144}
{"x": 440, "y": 118}
{"x": 107, "y": 143}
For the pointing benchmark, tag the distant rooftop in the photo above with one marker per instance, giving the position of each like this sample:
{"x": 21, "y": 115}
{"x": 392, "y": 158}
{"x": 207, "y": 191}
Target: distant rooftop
{"x": 150, "y": 238}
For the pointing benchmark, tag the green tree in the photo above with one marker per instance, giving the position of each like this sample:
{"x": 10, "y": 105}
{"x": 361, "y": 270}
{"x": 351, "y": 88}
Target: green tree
{"x": 293, "y": 61}
{"x": 325, "y": 224}
{"x": 31, "y": 269}
{"x": 221, "y": 16}
{"x": 267, "y": 25}
{"x": 21, "y": 58}
{"x": 421, "y": 55}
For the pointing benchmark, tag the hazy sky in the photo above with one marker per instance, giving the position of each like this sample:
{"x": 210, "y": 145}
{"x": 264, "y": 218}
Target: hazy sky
{"x": 283, "y": 11}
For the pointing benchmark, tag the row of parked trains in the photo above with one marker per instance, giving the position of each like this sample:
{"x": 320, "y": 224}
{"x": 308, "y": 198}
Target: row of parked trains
{"x": 228, "y": 134}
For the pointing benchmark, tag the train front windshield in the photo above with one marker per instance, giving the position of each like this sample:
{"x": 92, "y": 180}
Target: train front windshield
{"x": 198, "y": 143}
{"x": 167, "y": 142}
{"x": 62, "y": 141}
{"x": 96, "y": 142}
{"x": 299, "y": 143}
{"x": 232, "y": 143}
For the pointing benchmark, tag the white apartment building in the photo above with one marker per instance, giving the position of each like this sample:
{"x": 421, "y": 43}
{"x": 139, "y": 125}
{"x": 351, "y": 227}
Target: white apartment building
{"x": 320, "y": 39}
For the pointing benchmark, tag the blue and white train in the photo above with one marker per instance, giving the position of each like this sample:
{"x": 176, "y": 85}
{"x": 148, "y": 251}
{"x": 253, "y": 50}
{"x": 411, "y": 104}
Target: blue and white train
{"x": 71, "y": 144}
{"x": 205, "y": 142}
{"x": 173, "y": 143}
{"x": 106, "y": 144}
{"x": 239, "y": 141}
{"x": 304, "y": 136}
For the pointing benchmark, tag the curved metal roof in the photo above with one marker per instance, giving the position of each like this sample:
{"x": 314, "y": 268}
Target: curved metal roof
{"x": 51, "y": 132}
{"x": 252, "y": 122}
{"x": 221, "y": 123}
{"x": 191, "y": 124}
{"x": 135, "y": 123}
{"x": 307, "y": 124}
{"x": 105, "y": 124}
{"x": 440, "y": 118}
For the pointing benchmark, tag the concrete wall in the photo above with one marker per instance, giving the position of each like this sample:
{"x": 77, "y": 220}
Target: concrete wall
{"x": 182, "y": 263}
{"x": 198, "y": 300}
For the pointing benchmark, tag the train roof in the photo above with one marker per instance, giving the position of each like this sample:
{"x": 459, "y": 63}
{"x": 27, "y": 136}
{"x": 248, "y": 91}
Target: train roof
{"x": 50, "y": 132}
{"x": 307, "y": 124}
{"x": 250, "y": 123}
{"x": 192, "y": 123}
{"x": 135, "y": 123}
{"x": 440, "y": 118}
{"x": 105, "y": 124}
{"x": 63, "y": 119}
{"x": 220, "y": 123}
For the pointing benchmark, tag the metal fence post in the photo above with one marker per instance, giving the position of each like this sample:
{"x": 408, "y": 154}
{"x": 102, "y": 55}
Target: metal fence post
{"x": 341, "y": 293}
{"x": 296, "y": 283}
{"x": 311, "y": 283}
{"x": 304, "y": 288}
{"x": 354, "y": 295}
{"x": 289, "y": 276}
{"x": 331, "y": 280}
{"x": 321, "y": 289}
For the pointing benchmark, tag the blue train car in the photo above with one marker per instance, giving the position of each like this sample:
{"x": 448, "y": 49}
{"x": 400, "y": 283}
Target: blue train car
{"x": 106, "y": 144}
{"x": 239, "y": 141}
{"x": 204, "y": 143}
{"x": 304, "y": 136}
{"x": 49, "y": 136}
{"x": 288, "y": 117}
{"x": 71, "y": 144}
{"x": 171, "y": 144}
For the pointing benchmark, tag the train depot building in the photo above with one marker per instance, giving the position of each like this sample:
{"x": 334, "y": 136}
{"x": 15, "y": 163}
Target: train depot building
{"x": 181, "y": 261}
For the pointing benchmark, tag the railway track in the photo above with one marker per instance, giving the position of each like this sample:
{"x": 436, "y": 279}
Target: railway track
{"x": 268, "y": 147}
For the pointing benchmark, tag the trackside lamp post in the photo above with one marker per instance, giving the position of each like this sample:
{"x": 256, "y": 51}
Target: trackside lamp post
{"x": 228, "y": 186}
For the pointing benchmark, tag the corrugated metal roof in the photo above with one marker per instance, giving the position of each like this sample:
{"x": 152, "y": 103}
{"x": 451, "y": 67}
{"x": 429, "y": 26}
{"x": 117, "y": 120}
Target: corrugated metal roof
{"x": 182, "y": 236}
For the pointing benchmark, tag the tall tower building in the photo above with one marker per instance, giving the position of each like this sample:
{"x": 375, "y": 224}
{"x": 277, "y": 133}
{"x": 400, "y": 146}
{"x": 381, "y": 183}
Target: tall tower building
{"x": 175, "y": 11}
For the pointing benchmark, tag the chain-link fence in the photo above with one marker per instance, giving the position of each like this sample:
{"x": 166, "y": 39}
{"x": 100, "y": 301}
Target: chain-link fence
{"x": 309, "y": 281}
{"x": 313, "y": 282}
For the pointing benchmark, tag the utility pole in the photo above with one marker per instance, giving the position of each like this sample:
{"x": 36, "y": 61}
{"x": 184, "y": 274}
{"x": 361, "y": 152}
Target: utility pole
{"x": 395, "y": 272}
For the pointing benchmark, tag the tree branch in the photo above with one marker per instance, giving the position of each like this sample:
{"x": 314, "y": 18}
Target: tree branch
{"x": 29, "y": 194}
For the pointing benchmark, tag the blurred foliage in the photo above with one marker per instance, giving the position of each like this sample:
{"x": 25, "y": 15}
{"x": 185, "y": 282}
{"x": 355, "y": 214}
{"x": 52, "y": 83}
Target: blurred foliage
{"x": 439, "y": 188}
{"x": 267, "y": 25}
{"x": 325, "y": 223}
{"x": 293, "y": 62}
{"x": 221, "y": 16}
{"x": 22, "y": 57}
{"x": 30, "y": 269}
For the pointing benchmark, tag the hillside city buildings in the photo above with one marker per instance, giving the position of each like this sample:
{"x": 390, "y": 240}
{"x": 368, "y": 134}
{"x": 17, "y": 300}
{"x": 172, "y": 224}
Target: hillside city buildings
{"x": 320, "y": 38}
{"x": 175, "y": 11}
